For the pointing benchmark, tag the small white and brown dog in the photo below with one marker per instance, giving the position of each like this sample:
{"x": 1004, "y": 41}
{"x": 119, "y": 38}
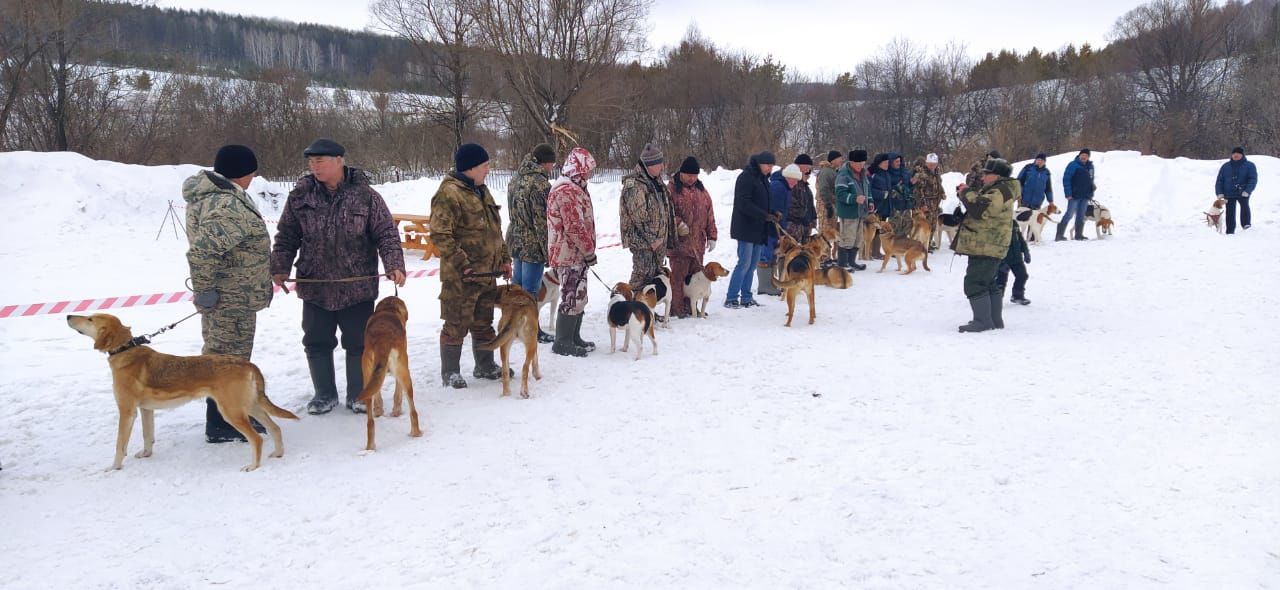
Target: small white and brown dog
{"x": 661, "y": 286}
{"x": 1100, "y": 215}
{"x": 1213, "y": 217}
{"x": 1034, "y": 227}
{"x": 549, "y": 294}
{"x": 697, "y": 287}
{"x": 634, "y": 318}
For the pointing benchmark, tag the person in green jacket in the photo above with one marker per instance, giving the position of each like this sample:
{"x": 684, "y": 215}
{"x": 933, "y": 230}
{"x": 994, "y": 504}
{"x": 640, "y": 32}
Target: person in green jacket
{"x": 229, "y": 259}
{"x": 984, "y": 237}
{"x": 853, "y": 187}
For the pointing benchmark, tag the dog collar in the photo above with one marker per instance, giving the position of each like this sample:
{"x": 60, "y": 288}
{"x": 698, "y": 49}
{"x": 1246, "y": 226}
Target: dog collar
{"x": 136, "y": 342}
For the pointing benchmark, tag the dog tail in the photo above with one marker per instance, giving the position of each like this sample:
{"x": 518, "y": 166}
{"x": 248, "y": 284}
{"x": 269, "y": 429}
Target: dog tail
{"x": 787, "y": 284}
{"x": 265, "y": 401}
{"x": 374, "y": 383}
{"x": 507, "y": 334}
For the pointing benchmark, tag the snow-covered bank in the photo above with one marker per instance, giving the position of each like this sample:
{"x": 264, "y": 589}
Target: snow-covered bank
{"x": 1120, "y": 433}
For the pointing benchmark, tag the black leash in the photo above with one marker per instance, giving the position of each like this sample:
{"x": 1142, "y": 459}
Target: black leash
{"x": 146, "y": 339}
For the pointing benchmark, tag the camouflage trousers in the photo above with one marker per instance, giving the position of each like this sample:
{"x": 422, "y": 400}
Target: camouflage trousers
{"x": 228, "y": 331}
{"x": 573, "y": 289}
{"x": 645, "y": 265}
{"x": 471, "y": 310}
{"x": 901, "y": 222}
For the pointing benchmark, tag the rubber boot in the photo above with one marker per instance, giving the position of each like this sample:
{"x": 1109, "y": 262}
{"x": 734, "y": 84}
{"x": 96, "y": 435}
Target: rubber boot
{"x": 763, "y": 276}
{"x": 997, "y": 308}
{"x": 451, "y": 366}
{"x": 544, "y": 337}
{"x": 566, "y": 327}
{"x": 981, "y": 306}
{"x": 853, "y": 261}
{"x": 842, "y": 258}
{"x": 355, "y": 382}
{"x": 325, "y": 384}
{"x": 1080, "y": 231}
{"x": 1062, "y": 231}
{"x": 577, "y": 336}
{"x": 216, "y": 429}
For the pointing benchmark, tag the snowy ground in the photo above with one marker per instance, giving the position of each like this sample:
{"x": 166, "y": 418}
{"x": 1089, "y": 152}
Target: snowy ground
{"x": 1119, "y": 433}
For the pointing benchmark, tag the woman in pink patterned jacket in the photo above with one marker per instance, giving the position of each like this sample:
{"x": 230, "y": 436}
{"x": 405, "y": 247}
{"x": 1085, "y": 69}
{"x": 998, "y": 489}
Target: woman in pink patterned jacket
{"x": 571, "y": 248}
{"x": 695, "y": 226}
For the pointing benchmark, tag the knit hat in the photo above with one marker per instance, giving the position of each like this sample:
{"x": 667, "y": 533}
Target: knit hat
{"x": 468, "y": 156}
{"x": 235, "y": 161}
{"x": 1238, "y": 150}
{"x": 833, "y": 155}
{"x": 931, "y": 158}
{"x": 766, "y": 157}
{"x": 324, "y": 147}
{"x": 999, "y": 167}
{"x": 994, "y": 154}
{"x": 544, "y": 154}
{"x": 650, "y": 155}
{"x": 858, "y": 156}
{"x": 690, "y": 166}
{"x": 793, "y": 172}
{"x": 804, "y": 160}
{"x": 1042, "y": 156}
{"x": 1085, "y": 151}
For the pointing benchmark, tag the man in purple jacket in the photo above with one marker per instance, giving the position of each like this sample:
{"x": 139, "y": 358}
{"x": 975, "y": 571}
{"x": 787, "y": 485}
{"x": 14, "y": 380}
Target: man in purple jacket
{"x": 337, "y": 226}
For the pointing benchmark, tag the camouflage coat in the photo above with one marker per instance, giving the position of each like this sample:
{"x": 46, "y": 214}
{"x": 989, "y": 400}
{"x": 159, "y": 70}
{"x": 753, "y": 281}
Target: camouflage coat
{"x": 467, "y": 231}
{"x": 825, "y": 186}
{"x": 928, "y": 188}
{"x": 527, "y": 212}
{"x": 801, "y": 218}
{"x": 230, "y": 250}
{"x": 988, "y": 210}
{"x": 336, "y": 235}
{"x": 646, "y": 213}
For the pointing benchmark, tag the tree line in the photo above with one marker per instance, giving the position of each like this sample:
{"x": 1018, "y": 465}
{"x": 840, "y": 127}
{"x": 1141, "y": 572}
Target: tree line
{"x": 1178, "y": 78}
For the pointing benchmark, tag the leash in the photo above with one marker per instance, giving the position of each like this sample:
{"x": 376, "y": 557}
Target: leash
{"x": 146, "y": 339}
{"x": 606, "y": 285}
{"x": 310, "y": 281}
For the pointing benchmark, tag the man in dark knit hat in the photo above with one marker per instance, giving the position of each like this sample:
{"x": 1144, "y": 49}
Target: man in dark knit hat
{"x": 1237, "y": 179}
{"x": 337, "y": 227}
{"x": 647, "y": 220}
{"x": 527, "y": 221}
{"x": 228, "y": 258}
{"x": 466, "y": 230}
{"x": 691, "y": 204}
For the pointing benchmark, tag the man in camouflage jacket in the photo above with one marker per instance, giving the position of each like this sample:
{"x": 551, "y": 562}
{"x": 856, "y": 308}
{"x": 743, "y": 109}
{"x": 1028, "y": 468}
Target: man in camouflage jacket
{"x": 527, "y": 220}
{"x": 647, "y": 221}
{"x": 229, "y": 258}
{"x": 926, "y": 184}
{"x": 984, "y": 237}
{"x": 337, "y": 227}
{"x": 467, "y": 231}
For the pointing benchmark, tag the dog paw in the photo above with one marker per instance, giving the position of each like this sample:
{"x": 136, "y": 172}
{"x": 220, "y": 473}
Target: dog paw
{"x": 396, "y": 413}
{"x": 277, "y": 454}
{"x": 143, "y": 454}
{"x": 248, "y": 468}
{"x": 415, "y": 433}
{"x": 524, "y": 395}
{"x": 113, "y": 468}
{"x": 367, "y": 451}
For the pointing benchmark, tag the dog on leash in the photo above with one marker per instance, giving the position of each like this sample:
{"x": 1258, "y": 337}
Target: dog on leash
{"x": 549, "y": 294}
{"x": 386, "y": 349}
{"x": 661, "y": 286}
{"x": 801, "y": 266}
{"x": 921, "y": 226}
{"x": 871, "y": 226}
{"x": 1213, "y": 217}
{"x": 145, "y": 381}
{"x": 1100, "y": 215}
{"x": 1035, "y": 225}
{"x": 899, "y": 248}
{"x": 697, "y": 287}
{"x": 634, "y": 318}
{"x": 519, "y": 322}
{"x": 949, "y": 224}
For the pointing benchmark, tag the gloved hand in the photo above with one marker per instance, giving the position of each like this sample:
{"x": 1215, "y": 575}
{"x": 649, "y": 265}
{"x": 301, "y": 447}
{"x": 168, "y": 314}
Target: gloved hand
{"x": 205, "y": 300}
{"x": 1222, "y": 196}
{"x": 1026, "y": 256}
{"x": 1244, "y": 195}
{"x": 711, "y": 245}
{"x": 590, "y": 260}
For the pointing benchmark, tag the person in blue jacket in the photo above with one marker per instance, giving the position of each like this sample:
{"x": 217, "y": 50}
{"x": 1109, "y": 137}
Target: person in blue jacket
{"x": 1036, "y": 181}
{"x": 1078, "y": 185}
{"x": 882, "y": 182}
{"x": 780, "y": 184}
{"x": 1236, "y": 180}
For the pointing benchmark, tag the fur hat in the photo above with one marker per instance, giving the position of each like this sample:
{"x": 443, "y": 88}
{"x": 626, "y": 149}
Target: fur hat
{"x": 858, "y": 156}
{"x": 999, "y": 167}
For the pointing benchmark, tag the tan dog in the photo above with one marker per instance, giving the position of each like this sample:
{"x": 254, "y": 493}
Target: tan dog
{"x": 899, "y": 248}
{"x": 1213, "y": 217}
{"x": 801, "y": 267}
{"x": 549, "y": 295}
{"x": 697, "y": 287}
{"x": 921, "y": 226}
{"x": 145, "y": 381}
{"x": 386, "y": 348}
{"x": 519, "y": 322}
{"x": 871, "y": 226}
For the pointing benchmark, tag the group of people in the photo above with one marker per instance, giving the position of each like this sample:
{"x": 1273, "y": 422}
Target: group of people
{"x": 335, "y": 229}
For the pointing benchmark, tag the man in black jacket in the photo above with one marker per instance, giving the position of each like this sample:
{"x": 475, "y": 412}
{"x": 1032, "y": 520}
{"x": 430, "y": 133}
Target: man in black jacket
{"x": 751, "y": 218}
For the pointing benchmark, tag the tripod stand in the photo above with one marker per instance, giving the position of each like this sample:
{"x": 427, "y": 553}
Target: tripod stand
{"x": 171, "y": 217}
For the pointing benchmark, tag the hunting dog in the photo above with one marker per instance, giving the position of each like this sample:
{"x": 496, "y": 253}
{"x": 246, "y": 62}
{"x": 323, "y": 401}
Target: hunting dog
{"x": 661, "y": 286}
{"x": 800, "y": 263}
{"x": 386, "y": 349}
{"x": 634, "y": 318}
{"x": 1034, "y": 227}
{"x": 949, "y": 224}
{"x": 549, "y": 294}
{"x": 1213, "y": 217}
{"x": 145, "y": 381}
{"x": 871, "y": 226}
{"x": 899, "y": 248}
{"x": 697, "y": 287}
{"x": 921, "y": 226}
{"x": 519, "y": 322}
{"x": 829, "y": 273}
{"x": 1100, "y": 215}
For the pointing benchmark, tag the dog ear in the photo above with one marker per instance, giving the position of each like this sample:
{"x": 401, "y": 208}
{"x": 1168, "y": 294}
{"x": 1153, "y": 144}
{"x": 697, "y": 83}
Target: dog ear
{"x": 111, "y": 333}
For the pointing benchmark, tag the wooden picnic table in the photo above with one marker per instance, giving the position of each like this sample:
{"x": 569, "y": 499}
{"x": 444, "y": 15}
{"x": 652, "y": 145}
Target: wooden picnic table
{"x": 416, "y": 233}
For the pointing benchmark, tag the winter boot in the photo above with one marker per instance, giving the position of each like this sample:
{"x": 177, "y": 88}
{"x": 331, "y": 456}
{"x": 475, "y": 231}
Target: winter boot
{"x": 451, "y": 366}
{"x": 981, "y": 306}
{"x": 997, "y": 308}
{"x": 853, "y": 261}
{"x": 842, "y": 258}
{"x": 566, "y": 327}
{"x": 577, "y": 336}
{"x": 1019, "y": 298}
{"x": 1080, "y": 231}
{"x": 355, "y": 382}
{"x": 1062, "y": 231}
{"x": 763, "y": 276}
{"x": 875, "y": 248}
{"x": 325, "y": 384}
{"x": 485, "y": 367}
{"x": 216, "y": 429}
{"x": 544, "y": 337}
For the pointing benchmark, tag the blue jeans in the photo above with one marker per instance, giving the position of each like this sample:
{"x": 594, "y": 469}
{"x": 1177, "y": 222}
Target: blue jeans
{"x": 1076, "y": 207}
{"x": 744, "y": 273}
{"x": 528, "y": 275}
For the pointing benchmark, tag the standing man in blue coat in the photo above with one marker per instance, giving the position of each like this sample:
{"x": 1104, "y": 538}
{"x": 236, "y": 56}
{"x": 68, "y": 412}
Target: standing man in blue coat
{"x": 1037, "y": 183}
{"x": 751, "y": 218}
{"x": 1236, "y": 180}
{"x": 1078, "y": 185}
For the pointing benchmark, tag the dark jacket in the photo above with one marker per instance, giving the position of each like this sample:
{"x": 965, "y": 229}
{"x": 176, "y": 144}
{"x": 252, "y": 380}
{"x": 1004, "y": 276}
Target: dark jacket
{"x": 335, "y": 236}
{"x": 849, "y": 186}
{"x": 750, "y": 205}
{"x": 802, "y": 216}
{"x": 882, "y": 183}
{"x": 527, "y": 212}
{"x": 1077, "y": 181}
{"x": 1237, "y": 179}
{"x": 1017, "y": 247}
{"x": 779, "y": 200}
{"x": 1037, "y": 185}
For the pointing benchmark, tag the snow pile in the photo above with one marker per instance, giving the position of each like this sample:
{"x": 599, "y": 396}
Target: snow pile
{"x": 1119, "y": 433}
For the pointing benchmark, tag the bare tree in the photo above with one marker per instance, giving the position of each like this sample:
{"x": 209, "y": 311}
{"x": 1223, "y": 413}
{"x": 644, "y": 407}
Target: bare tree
{"x": 22, "y": 39}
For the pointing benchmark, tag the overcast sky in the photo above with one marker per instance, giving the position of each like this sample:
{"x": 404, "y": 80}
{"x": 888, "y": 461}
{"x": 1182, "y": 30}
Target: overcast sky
{"x": 815, "y": 42}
